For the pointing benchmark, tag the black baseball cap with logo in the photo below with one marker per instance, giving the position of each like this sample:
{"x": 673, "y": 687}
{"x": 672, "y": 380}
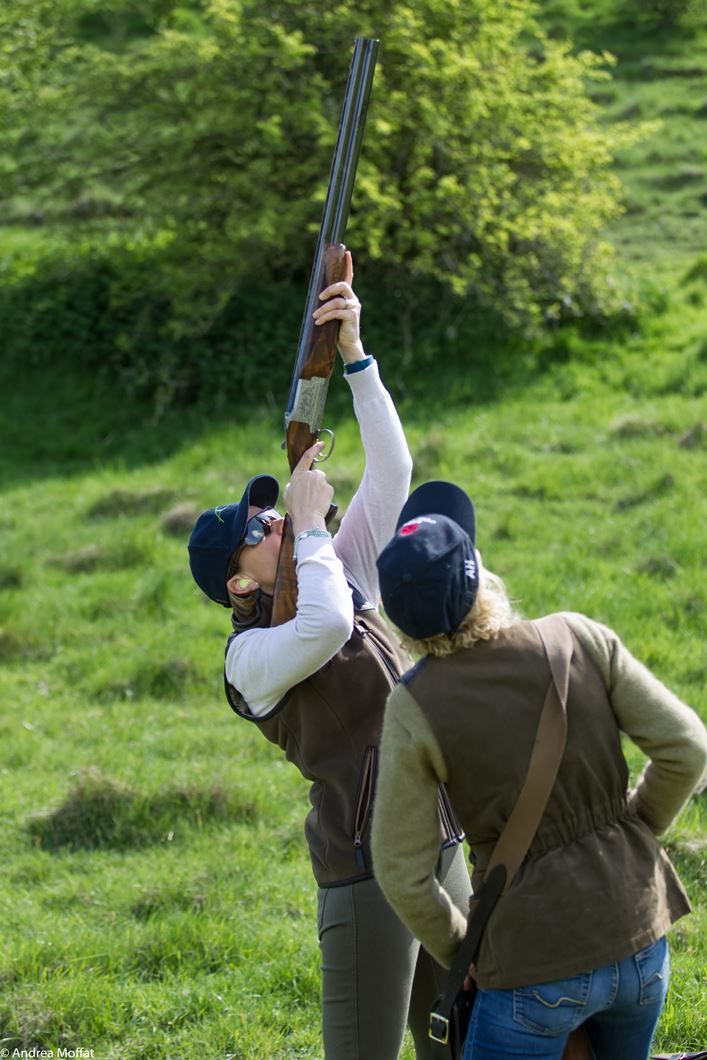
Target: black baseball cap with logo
{"x": 428, "y": 573}
{"x": 219, "y": 531}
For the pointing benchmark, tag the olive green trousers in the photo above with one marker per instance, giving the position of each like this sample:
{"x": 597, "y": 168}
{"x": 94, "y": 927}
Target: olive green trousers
{"x": 376, "y": 978}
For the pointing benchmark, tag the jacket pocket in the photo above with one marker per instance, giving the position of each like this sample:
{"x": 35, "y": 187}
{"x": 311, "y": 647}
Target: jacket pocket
{"x": 552, "y": 1008}
{"x": 364, "y": 803}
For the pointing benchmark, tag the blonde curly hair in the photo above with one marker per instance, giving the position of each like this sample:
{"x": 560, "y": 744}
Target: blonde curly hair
{"x": 491, "y": 612}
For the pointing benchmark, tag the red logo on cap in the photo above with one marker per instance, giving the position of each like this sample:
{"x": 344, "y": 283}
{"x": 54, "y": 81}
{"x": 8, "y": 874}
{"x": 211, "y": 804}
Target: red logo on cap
{"x": 414, "y": 524}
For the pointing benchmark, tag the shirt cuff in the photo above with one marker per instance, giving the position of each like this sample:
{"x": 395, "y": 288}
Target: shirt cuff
{"x": 367, "y": 384}
{"x": 358, "y": 366}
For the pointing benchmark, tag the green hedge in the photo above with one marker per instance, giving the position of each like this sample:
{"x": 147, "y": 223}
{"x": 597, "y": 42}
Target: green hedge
{"x": 110, "y": 310}
{"x": 486, "y": 162}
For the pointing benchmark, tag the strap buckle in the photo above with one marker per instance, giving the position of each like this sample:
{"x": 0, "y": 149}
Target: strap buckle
{"x": 439, "y": 1028}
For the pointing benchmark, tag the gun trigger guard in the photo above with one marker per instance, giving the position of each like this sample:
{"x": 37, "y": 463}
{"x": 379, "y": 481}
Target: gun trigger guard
{"x": 322, "y": 459}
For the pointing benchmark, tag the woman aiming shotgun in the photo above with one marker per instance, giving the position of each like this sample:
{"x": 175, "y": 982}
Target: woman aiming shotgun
{"x": 317, "y": 686}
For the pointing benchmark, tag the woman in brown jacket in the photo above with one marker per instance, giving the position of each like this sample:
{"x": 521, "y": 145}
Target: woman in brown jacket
{"x": 316, "y": 687}
{"x": 579, "y": 937}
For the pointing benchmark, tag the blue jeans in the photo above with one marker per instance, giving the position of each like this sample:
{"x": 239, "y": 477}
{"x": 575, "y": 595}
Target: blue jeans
{"x": 618, "y": 1004}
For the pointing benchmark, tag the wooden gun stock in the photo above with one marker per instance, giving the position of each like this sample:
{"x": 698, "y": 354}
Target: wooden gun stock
{"x": 299, "y": 436}
{"x": 285, "y": 595}
{"x": 284, "y": 605}
{"x": 318, "y": 343}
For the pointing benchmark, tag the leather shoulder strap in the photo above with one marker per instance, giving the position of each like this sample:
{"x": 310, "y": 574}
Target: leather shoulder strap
{"x": 512, "y": 846}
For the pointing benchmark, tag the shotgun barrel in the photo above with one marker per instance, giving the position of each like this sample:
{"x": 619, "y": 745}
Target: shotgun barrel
{"x": 316, "y": 348}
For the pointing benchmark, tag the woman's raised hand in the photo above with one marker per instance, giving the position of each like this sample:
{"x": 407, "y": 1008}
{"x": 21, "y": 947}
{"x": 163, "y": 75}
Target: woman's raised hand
{"x": 341, "y": 303}
{"x": 308, "y": 495}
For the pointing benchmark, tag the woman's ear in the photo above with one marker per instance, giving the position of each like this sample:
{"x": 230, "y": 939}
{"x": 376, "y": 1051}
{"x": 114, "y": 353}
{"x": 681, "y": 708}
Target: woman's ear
{"x": 241, "y": 585}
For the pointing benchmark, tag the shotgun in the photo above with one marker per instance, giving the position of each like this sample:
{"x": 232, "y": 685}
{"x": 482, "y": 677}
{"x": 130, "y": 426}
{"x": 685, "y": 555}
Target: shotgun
{"x": 316, "y": 349}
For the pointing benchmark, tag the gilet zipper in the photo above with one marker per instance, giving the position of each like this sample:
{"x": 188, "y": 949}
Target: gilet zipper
{"x": 364, "y": 800}
{"x": 362, "y": 630}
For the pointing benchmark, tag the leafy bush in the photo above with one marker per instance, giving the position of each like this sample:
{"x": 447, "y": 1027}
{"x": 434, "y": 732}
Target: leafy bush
{"x": 484, "y": 165}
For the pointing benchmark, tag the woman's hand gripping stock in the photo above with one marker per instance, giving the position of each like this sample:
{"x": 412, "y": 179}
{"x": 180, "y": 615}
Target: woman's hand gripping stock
{"x": 342, "y": 304}
{"x": 308, "y": 495}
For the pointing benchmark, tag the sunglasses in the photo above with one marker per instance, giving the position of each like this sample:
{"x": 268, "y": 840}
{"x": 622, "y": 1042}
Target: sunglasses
{"x": 259, "y": 526}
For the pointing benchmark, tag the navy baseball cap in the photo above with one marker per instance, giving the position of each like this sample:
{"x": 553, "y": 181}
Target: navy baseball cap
{"x": 219, "y": 531}
{"x": 428, "y": 573}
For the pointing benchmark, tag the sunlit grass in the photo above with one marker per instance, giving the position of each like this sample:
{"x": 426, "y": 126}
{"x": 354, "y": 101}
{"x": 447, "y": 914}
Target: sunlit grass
{"x": 158, "y": 897}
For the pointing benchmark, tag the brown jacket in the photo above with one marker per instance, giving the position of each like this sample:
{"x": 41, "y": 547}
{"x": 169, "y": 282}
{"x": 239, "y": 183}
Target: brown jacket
{"x": 596, "y": 885}
{"x": 330, "y": 725}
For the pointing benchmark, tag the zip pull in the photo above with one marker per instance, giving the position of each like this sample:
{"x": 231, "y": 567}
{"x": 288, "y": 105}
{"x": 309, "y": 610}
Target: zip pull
{"x": 360, "y": 856}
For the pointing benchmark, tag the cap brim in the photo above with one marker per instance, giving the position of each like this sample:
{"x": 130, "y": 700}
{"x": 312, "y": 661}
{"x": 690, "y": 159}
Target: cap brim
{"x": 262, "y": 492}
{"x": 440, "y": 498}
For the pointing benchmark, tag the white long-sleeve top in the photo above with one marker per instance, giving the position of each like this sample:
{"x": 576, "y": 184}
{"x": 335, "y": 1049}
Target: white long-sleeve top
{"x": 263, "y": 664}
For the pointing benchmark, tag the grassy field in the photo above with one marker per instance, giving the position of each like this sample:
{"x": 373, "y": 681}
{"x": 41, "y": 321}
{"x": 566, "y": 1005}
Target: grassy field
{"x": 658, "y": 78}
{"x": 157, "y": 899}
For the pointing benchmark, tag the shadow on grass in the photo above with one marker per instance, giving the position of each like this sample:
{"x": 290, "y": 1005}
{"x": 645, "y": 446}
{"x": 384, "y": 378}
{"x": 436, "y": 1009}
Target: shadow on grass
{"x": 89, "y": 558}
{"x": 30, "y": 1026}
{"x": 656, "y": 489}
{"x": 101, "y": 814}
{"x": 124, "y": 502}
{"x": 63, "y": 422}
{"x": 157, "y": 679}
